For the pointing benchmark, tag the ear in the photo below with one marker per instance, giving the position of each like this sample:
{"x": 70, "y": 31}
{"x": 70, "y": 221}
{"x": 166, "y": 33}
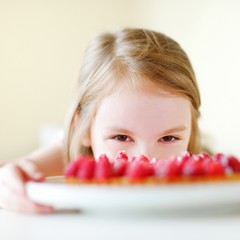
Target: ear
{"x": 76, "y": 118}
{"x": 86, "y": 141}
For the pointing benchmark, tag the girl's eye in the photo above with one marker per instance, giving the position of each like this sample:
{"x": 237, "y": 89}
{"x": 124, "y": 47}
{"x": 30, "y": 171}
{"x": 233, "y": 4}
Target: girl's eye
{"x": 122, "y": 138}
{"x": 168, "y": 138}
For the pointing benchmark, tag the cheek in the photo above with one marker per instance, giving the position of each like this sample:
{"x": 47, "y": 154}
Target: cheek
{"x": 170, "y": 151}
{"x": 98, "y": 142}
{"x": 103, "y": 148}
{"x": 100, "y": 145}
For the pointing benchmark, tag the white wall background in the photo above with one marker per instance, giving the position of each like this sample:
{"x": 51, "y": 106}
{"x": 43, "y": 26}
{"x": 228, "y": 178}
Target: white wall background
{"x": 41, "y": 45}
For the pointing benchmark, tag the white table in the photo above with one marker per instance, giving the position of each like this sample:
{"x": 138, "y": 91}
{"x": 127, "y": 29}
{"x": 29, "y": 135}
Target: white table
{"x": 15, "y": 226}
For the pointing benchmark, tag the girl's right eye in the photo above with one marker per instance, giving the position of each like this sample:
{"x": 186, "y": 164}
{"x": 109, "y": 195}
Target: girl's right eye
{"x": 122, "y": 138}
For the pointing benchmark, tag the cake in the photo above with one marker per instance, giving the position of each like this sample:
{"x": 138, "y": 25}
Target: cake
{"x": 185, "y": 168}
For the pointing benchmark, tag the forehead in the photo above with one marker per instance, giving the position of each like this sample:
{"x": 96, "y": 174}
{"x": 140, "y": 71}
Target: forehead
{"x": 143, "y": 107}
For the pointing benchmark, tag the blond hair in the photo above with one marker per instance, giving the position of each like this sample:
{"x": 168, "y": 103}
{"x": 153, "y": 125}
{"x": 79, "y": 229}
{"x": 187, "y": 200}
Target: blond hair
{"x": 141, "y": 54}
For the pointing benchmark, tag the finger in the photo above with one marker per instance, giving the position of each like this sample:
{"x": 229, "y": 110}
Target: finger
{"x": 15, "y": 202}
{"x": 31, "y": 169}
{"x": 13, "y": 177}
{"x": 28, "y": 206}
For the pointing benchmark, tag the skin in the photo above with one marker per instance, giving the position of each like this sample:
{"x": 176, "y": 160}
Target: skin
{"x": 156, "y": 124}
{"x": 141, "y": 122}
{"x": 33, "y": 167}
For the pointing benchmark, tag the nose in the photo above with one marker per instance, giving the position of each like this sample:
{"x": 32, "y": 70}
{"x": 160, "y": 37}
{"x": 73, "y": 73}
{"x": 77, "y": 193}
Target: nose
{"x": 144, "y": 149}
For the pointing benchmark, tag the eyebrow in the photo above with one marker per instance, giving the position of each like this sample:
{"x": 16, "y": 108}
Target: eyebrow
{"x": 118, "y": 129}
{"x": 179, "y": 128}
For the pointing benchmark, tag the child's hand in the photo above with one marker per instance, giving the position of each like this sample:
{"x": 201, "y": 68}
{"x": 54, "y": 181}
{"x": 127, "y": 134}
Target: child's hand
{"x": 13, "y": 177}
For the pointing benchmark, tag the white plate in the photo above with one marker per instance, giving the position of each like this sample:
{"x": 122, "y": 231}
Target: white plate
{"x": 136, "y": 197}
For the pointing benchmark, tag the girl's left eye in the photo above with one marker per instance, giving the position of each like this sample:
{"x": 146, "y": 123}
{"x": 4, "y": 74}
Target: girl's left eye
{"x": 122, "y": 138}
{"x": 168, "y": 138}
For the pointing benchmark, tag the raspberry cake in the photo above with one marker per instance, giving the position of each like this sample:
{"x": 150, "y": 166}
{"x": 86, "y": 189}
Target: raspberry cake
{"x": 186, "y": 168}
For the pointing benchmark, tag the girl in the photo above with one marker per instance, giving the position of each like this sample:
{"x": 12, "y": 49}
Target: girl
{"x": 137, "y": 92}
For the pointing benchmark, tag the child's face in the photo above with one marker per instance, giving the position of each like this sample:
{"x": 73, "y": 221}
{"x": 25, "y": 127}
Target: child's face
{"x": 141, "y": 122}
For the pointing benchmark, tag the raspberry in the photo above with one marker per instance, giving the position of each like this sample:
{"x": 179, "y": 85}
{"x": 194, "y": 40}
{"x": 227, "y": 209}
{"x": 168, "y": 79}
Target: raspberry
{"x": 159, "y": 167}
{"x": 194, "y": 167}
{"x": 87, "y": 169}
{"x": 204, "y": 156}
{"x": 142, "y": 158}
{"x": 132, "y": 159}
{"x": 139, "y": 158}
{"x": 222, "y": 159}
{"x": 72, "y": 168}
{"x": 233, "y": 163}
{"x": 214, "y": 168}
{"x": 120, "y": 166}
{"x": 139, "y": 169}
{"x": 167, "y": 168}
{"x": 228, "y": 162}
{"x": 103, "y": 169}
{"x": 182, "y": 160}
{"x": 186, "y": 155}
{"x": 121, "y": 155}
{"x": 219, "y": 156}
